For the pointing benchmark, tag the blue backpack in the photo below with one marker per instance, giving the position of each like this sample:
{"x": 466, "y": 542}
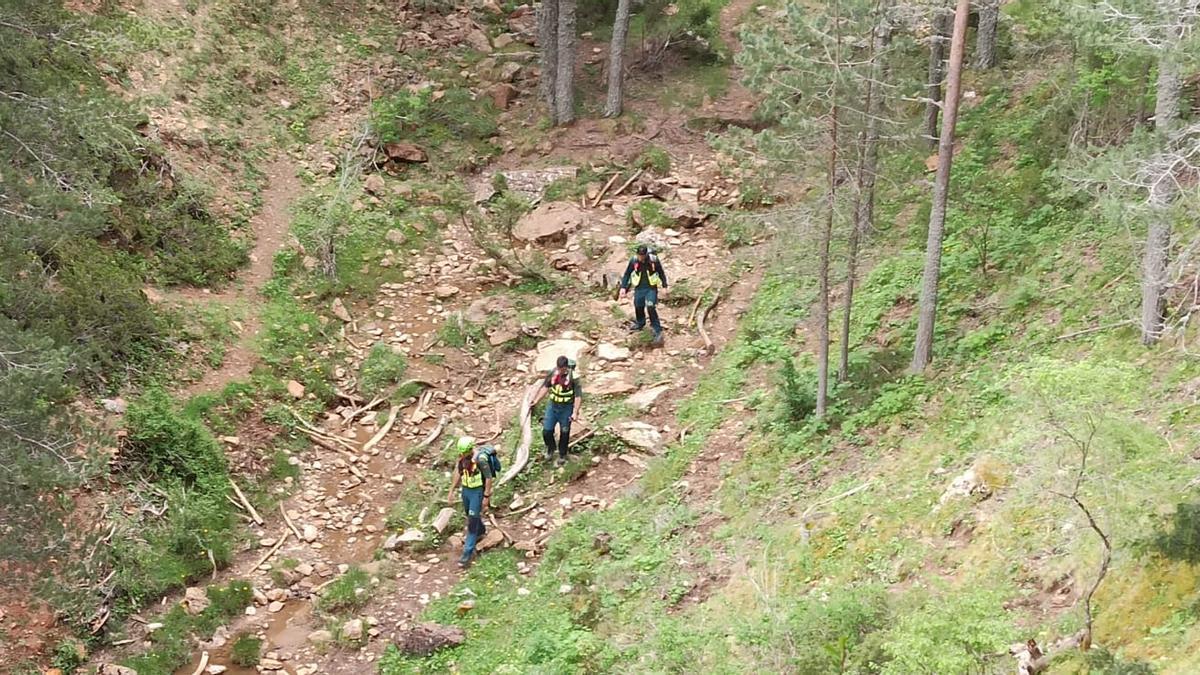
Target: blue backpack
{"x": 493, "y": 459}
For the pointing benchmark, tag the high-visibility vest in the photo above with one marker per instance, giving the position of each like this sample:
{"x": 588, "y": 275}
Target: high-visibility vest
{"x": 562, "y": 390}
{"x": 470, "y": 479}
{"x": 652, "y": 267}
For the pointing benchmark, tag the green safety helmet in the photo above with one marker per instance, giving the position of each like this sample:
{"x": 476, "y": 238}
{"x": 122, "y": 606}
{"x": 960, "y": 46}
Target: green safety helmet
{"x": 465, "y": 443}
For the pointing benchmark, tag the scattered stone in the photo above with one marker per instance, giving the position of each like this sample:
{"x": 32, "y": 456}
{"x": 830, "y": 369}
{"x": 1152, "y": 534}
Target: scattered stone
{"x": 478, "y": 40}
{"x": 442, "y": 520}
{"x": 310, "y": 533}
{"x": 522, "y": 591}
{"x": 423, "y": 569}
{"x": 114, "y": 669}
{"x": 492, "y": 539}
{"x": 394, "y": 541}
{"x": 531, "y": 184}
{"x": 318, "y": 637}
{"x": 968, "y": 484}
{"x": 116, "y": 406}
{"x": 426, "y": 638}
{"x": 405, "y": 152}
{"x": 352, "y": 630}
{"x": 502, "y": 94}
{"x": 645, "y": 399}
{"x": 548, "y": 352}
{"x": 611, "y": 352}
{"x": 266, "y": 542}
{"x": 304, "y": 569}
{"x": 639, "y": 435}
{"x": 340, "y": 311}
{"x": 374, "y": 184}
{"x": 275, "y": 607}
{"x": 565, "y": 588}
{"x": 270, "y": 664}
{"x": 446, "y": 291}
{"x": 395, "y": 236}
{"x": 539, "y": 523}
{"x": 295, "y": 389}
{"x": 549, "y": 222}
{"x": 216, "y": 669}
{"x": 194, "y": 600}
{"x": 609, "y": 384}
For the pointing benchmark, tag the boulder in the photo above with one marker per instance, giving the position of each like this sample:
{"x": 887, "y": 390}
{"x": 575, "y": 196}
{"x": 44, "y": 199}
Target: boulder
{"x": 339, "y": 310}
{"x": 310, "y": 533}
{"x": 550, "y": 222}
{"x": 295, "y": 389}
{"x": 410, "y": 535}
{"x": 609, "y": 384}
{"x": 639, "y": 435}
{"x": 405, "y": 152}
{"x": 502, "y": 336}
{"x": 374, "y": 184}
{"x": 548, "y": 352}
{"x": 502, "y": 94}
{"x": 685, "y": 214}
{"x": 395, "y": 236}
{"x": 352, "y": 630}
{"x": 442, "y": 520}
{"x": 195, "y": 600}
{"x": 493, "y": 538}
{"x": 426, "y": 638}
{"x": 645, "y": 399}
{"x": 116, "y": 406}
{"x": 611, "y": 352}
{"x": 318, "y": 637}
{"x": 478, "y": 40}
{"x": 968, "y": 484}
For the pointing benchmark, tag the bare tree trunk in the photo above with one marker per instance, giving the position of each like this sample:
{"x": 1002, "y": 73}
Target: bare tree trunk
{"x": 868, "y": 162}
{"x": 1158, "y": 234}
{"x": 548, "y": 54}
{"x": 826, "y": 235}
{"x": 564, "y": 91}
{"x": 923, "y": 351}
{"x": 616, "y": 61}
{"x": 985, "y": 36}
{"x": 940, "y": 25}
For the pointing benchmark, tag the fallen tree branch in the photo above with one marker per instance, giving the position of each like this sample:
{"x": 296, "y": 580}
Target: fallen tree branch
{"x": 1096, "y": 329}
{"x": 518, "y": 512}
{"x": 312, "y": 430}
{"x": 696, "y": 305}
{"x": 522, "y": 451}
{"x": 628, "y": 182}
{"x": 290, "y": 524}
{"x": 604, "y": 190}
{"x": 709, "y": 347}
{"x": 246, "y": 503}
{"x": 581, "y": 438}
{"x": 387, "y": 426}
{"x": 345, "y": 395}
{"x": 437, "y": 431}
{"x": 276, "y": 547}
{"x": 203, "y": 664}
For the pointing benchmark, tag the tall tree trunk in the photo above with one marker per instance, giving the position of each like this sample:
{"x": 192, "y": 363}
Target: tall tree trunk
{"x": 923, "y": 351}
{"x": 548, "y": 54}
{"x": 616, "y": 61}
{"x": 827, "y": 234}
{"x": 564, "y": 91}
{"x": 985, "y": 35}
{"x": 1158, "y": 233}
{"x": 868, "y": 162}
{"x": 939, "y": 27}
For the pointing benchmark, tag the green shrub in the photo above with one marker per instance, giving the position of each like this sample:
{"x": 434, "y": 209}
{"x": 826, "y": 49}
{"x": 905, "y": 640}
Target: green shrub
{"x": 350, "y": 591}
{"x": 798, "y": 394}
{"x": 382, "y": 368}
{"x": 1182, "y": 541}
{"x": 655, "y": 160}
{"x": 246, "y": 651}
{"x": 650, "y": 213}
{"x": 954, "y": 633}
{"x": 166, "y": 444}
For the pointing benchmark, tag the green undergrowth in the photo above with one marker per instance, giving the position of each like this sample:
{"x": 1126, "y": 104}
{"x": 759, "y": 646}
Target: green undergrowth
{"x": 171, "y": 646}
{"x": 836, "y": 545}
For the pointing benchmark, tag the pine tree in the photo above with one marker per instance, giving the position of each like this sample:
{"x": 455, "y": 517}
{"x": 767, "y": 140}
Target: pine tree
{"x": 616, "y": 61}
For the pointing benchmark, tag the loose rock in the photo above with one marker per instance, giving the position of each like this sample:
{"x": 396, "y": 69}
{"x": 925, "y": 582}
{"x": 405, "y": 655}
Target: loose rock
{"x": 427, "y": 638}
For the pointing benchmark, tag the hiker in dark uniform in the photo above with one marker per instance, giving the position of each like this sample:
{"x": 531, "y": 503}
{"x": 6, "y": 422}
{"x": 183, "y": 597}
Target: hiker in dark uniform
{"x": 646, "y": 274}
{"x": 566, "y": 397}
{"x": 474, "y": 473}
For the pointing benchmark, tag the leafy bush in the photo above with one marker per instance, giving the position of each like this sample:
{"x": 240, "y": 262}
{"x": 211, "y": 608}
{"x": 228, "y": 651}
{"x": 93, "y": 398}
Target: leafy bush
{"x": 246, "y": 651}
{"x": 453, "y": 124}
{"x": 1182, "y": 542}
{"x": 798, "y": 394}
{"x": 650, "y": 213}
{"x": 350, "y": 591}
{"x": 382, "y": 368}
{"x": 168, "y": 445}
{"x": 953, "y": 633}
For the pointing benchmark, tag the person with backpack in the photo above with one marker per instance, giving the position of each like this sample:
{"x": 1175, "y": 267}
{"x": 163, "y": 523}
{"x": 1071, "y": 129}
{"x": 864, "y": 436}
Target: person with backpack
{"x": 566, "y": 398}
{"x": 646, "y": 273}
{"x": 474, "y": 472}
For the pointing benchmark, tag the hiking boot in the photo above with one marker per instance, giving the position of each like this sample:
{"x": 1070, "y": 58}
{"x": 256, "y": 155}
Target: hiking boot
{"x": 464, "y": 562}
{"x": 633, "y": 327}
{"x": 549, "y": 456}
{"x": 658, "y": 339}
{"x": 560, "y": 462}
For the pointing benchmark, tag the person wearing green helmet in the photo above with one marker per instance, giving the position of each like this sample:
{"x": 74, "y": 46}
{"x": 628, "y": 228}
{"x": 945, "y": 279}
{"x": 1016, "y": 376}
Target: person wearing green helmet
{"x": 474, "y": 474}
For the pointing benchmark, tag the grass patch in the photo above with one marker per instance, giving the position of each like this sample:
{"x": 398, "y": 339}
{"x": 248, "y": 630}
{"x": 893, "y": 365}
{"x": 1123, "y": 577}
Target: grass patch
{"x": 383, "y": 368}
{"x": 246, "y": 651}
{"x": 349, "y": 592}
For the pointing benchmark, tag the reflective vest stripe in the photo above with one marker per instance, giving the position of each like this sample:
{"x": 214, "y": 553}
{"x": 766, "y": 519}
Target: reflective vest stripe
{"x": 472, "y": 480}
{"x": 652, "y": 278}
{"x": 560, "y": 393}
